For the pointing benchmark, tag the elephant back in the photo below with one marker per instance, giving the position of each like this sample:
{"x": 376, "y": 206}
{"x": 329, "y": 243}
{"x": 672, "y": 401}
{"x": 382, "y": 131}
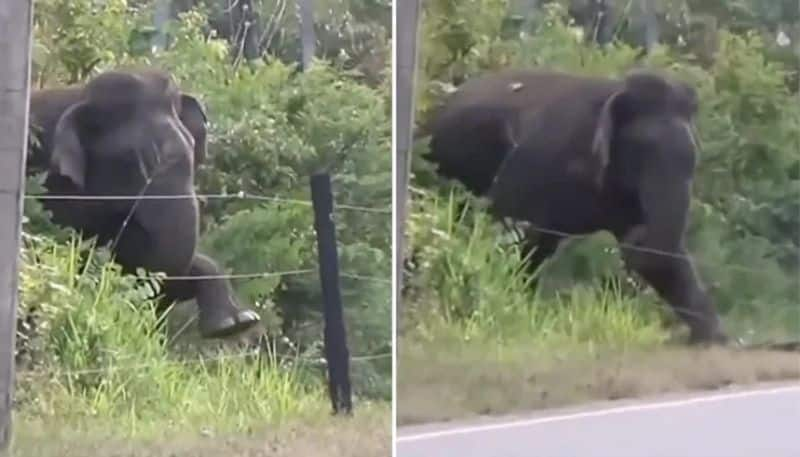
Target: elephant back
{"x": 483, "y": 122}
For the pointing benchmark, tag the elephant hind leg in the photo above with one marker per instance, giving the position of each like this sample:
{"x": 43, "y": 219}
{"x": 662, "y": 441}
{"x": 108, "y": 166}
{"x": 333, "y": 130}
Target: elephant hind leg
{"x": 538, "y": 247}
{"x": 673, "y": 277}
{"x": 219, "y": 314}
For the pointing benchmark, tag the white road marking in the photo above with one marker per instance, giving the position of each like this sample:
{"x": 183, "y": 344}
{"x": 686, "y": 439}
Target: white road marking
{"x": 596, "y": 413}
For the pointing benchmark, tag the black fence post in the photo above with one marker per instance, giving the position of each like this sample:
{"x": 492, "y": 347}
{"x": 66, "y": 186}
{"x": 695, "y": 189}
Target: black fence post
{"x": 335, "y": 335}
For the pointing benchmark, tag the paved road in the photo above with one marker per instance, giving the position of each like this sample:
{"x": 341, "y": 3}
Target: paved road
{"x": 734, "y": 423}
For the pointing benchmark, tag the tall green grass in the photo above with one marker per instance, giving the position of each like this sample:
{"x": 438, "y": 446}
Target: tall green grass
{"x": 469, "y": 281}
{"x": 466, "y": 282}
{"x": 96, "y": 353}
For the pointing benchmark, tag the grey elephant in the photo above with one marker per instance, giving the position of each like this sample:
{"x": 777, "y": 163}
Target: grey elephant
{"x": 574, "y": 155}
{"x": 134, "y": 133}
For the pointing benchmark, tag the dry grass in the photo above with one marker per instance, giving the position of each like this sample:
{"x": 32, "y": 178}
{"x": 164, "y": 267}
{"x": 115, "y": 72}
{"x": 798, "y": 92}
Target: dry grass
{"x": 436, "y": 385}
{"x": 366, "y": 434}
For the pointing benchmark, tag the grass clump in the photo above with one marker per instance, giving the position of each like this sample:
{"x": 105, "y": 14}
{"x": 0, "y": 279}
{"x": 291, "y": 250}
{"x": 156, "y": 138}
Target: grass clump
{"x": 466, "y": 280}
{"x": 92, "y": 349}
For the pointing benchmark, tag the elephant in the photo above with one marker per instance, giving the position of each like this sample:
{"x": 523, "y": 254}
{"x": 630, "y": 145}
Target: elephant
{"x": 134, "y": 133}
{"x": 574, "y": 155}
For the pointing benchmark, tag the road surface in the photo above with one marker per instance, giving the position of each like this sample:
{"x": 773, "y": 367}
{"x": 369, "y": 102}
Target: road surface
{"x": 757, "y": 422}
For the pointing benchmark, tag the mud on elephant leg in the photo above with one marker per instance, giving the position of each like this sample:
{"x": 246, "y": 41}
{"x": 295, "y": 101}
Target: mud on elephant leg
{"x": 674, "y": 278}
{"x": 220, "y": 315}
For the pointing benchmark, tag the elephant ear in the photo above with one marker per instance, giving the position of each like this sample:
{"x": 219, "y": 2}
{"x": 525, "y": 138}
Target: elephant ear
{"x": 68, "y": 158}
{"x": 193, "y": 116}
{"x": 604, "y": 130}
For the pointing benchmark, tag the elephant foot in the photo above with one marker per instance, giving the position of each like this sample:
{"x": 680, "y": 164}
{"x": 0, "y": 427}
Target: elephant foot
{"x": 708, "y": 337}
{"x": 222, "y": 327}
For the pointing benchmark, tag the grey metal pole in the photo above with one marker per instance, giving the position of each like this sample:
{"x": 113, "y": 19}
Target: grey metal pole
{"x": 15, "y": 46}
{"x": 526, "y": 9}
{"x": 307, "y": 36}
{"x": 160, "y": 19}
{"x": 407, "y": 13}
{"x": 651, "y": 26}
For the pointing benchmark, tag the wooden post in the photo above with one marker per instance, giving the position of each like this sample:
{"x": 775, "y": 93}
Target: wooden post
{"x": 335, "y": 336}
{"x": 307, "y": 35}
{"x": 407, "y": 12}
{"x": 15, "y": 48}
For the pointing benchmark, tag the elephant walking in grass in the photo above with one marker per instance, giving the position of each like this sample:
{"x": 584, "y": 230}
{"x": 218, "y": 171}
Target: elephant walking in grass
{"x": 574, "y": 155}
{"x": 135, "y": 134}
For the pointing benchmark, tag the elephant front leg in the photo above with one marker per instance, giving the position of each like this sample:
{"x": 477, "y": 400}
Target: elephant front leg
{"x": 220, "y": 315}
{"x": 660, "y": 255}
{"x": 673, "y": 276}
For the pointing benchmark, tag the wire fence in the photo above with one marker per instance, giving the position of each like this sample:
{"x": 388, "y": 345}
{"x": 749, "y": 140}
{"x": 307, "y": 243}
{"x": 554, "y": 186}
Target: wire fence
{"x": 521, "y": 231}
{"x": 224, "y": 196}
{"x": 325, "y": 258}
{"x": 519, "y": 227}
{"x": 236, "y": 196}
{"x": 637, "y": 248}
{"x": 739, "y": 342}
{"x": 318, "y": 361}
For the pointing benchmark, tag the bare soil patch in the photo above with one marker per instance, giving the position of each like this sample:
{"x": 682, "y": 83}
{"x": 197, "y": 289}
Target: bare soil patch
{"x": 446, "y": 385}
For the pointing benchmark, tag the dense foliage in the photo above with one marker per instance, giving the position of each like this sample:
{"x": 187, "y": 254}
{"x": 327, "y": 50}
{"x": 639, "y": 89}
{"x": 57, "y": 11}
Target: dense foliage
{"x": 745, "y": 219}
{"x": 271, "y": 126}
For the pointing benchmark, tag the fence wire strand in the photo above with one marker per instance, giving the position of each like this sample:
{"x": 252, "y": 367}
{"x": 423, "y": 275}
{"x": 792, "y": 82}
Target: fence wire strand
{"x": 196, "y": 361}
{"x": 298, "y": 272}
{"x": 693, "y": 259}
{"x": 237, "y": 196}
{"x": 365, "y": 278}
{"x": 266, "y": 274}
{"x": 521, "y": 231}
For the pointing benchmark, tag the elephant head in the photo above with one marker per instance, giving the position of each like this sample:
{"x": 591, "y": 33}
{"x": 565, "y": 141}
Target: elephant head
{"x": 128, "y": 127}
{"x": 645, "y": 118}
